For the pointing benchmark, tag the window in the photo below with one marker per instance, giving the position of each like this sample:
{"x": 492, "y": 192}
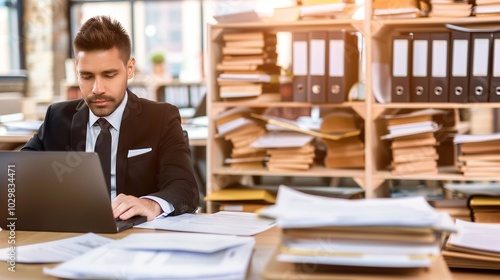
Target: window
{"x": 11, "y": 52}
{"x": 174, "y": 27}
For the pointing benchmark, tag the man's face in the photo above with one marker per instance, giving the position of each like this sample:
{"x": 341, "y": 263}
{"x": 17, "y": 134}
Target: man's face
{"x": 102, "y": 77}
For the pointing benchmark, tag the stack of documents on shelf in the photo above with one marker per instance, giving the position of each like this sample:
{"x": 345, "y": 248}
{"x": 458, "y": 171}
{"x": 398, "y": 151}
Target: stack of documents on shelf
{"x": 241, "y": 199}
{"x": 450, "y": 8}
{"x": 484, "y": 208}
{"x": 413, "y": 142}
{"x": 455, "y": 207}
{"x": 393, "y": 9}
{"x": 478, "y": 155}
{"x": 468, "y": 189}
{"x": 325, "y": 9}
{"x": 248, "y": 67}
{"x": 474, "y": 245}
{"x": 347, "y": 152}
{"x": 487, "y": 7}
{"x": 287, "y": 150}
{"x": 236, "y": 126}
{"x": 162, "y": 256}
{"x": 380, "y": 233}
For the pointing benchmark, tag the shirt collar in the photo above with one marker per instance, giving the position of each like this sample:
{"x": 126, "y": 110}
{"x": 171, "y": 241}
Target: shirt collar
{"x": 115, "y": 118}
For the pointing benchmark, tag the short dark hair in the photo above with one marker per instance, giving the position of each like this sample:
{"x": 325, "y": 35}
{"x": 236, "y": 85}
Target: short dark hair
{"x": 103, "y": 33}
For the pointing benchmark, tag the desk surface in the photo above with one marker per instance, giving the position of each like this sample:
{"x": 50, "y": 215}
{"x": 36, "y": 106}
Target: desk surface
{"x": 264, "y": 247}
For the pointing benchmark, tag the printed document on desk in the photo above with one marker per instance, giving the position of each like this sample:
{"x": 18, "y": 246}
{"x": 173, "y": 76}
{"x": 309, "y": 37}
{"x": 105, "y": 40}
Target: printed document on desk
{"x": 57, "y": 250}
{"x": 223, "y": 222}
{"x": 293, "y": 210}
{"x": 133, "y": 257}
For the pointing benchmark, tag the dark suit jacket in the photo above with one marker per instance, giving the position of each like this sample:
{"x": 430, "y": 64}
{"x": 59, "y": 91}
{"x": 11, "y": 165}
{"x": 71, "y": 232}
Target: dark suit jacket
{"x": 165, "y": 172}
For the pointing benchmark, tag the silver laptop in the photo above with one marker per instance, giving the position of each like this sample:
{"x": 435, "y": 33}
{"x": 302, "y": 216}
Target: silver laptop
{"x": 56, "y": 191}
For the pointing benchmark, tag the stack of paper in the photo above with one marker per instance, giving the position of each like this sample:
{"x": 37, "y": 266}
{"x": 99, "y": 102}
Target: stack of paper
{"x": 241, "y": 199}
{"x": 484, "y": 208}
{"x": 287, "y": 150}
{"x": 478, "y": 155}
{"x": 392, "y": 9}
{"x": 475, "y": 245}
{"x": 487, "y": 7}
{"x": 236, "y": 126}
{"x": 450, "y": 8}
{"x": 380, "y": 232}
{"x": 346, "y": 152}
{"x": 248, "y": 67}
{"x": 413, "y": 142}
{"x": 162, "y": 256}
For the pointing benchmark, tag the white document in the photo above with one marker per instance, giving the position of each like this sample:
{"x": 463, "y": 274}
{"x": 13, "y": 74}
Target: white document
{"x": 282, "y": 139}
{"x": 175, "y": 241}
{"x": 223, "y": 222}
{"x": 469, "y": 138}
{"x": 297, "y": 209}
{"x": 57, "y": 250}
{"x": 474, "y": 188}
{"x": 108, "y": 262}
{"x": 479, "y": 236}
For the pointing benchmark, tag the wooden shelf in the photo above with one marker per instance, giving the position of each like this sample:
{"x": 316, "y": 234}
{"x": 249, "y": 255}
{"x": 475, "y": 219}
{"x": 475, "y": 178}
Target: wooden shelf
{"x": 377, "y": 36}
{"x": 316, "y": 171}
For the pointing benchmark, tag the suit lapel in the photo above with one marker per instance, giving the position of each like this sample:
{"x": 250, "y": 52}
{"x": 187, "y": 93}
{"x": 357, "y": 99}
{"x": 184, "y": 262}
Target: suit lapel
{"x": 79, "y": 127}
{"x": 130, "y": 125}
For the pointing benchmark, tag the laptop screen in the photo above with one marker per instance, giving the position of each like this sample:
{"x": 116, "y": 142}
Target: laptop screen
{"x": 54, "y": 191}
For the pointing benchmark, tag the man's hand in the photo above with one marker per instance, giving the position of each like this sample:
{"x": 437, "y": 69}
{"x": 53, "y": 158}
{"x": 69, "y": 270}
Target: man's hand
{"x": 127, "y": 206}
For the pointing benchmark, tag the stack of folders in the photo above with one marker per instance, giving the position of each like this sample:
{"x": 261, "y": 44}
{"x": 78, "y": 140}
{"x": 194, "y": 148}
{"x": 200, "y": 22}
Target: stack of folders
{"x": 474, "y": 245}
{"x": 241, "y": 199}
{"x": 484, "y": 208}
{"x": 413, "y": 142}
{"x": 236, "y": 126}
{"x": 324, "y": 65}
{"x": 346, "y": 152}
{"x": 380, "y": 236}
{"x": 162, "y": 256}
{"x": 455, "y": 65}
{"x": 450, "y": 8}
{"x": 248, "y": 66}
{"x": 478, "y": 155}
{"x": 391, "y": 9}
{"x": 287, "y": 150}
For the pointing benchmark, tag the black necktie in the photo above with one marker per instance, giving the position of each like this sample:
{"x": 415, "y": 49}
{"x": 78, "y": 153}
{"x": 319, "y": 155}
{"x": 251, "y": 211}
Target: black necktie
{"x": 103, "y": 148}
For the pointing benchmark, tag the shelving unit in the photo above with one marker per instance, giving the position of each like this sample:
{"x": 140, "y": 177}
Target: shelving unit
{"x": 376, "y": 48}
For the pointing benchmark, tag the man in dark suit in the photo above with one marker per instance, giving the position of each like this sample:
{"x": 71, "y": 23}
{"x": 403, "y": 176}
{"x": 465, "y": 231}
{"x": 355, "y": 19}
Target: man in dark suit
{"x": 150, "y": 168}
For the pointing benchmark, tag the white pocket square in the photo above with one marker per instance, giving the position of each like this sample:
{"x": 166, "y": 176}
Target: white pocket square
{"x": 134, "y": 153}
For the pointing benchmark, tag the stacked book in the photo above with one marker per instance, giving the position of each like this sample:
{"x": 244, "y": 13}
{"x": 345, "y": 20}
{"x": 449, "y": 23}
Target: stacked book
{"x": 248, "y": 66}
{"x": 358, "y": 237}
{"x": 478, "y": 155}
{"x": 346, "y": 152}
{"x": 287, "y": 150}
{"x": 474, "y": 245}
{"x": 413, "y": 143}
{"x": 236, "y": 125}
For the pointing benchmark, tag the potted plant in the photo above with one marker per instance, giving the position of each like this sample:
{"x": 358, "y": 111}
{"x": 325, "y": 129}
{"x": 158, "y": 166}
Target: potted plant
{"x": 158, "y": 60}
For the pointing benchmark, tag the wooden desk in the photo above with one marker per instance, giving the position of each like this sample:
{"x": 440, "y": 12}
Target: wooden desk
{"x": 264, "y": 247}
{"x": 10, "y": 142}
